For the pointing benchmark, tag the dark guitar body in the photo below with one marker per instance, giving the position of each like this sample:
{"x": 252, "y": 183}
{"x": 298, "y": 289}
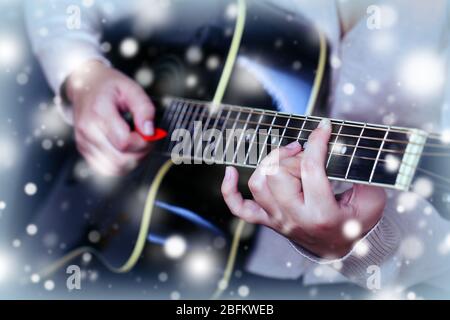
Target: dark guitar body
{"x": 278, "y": 40}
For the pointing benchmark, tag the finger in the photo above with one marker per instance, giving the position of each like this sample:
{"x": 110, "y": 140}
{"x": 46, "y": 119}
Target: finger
{"x": 121, "y": 162}
{"x": 271, "y": 163}
{"x": 293, "y": 165}
{"x": 366, "y": 202}
{"x": 135, "y": 100}
{"x": 286, "y": 190}
{"x": 316, "y": 186}
{"x": 98, "y": 162}
{"x": 268, "y": 167}
{"x": 261, "y": 192}
{"x": 118, "y": 132}
{"x": 247, "y": 210}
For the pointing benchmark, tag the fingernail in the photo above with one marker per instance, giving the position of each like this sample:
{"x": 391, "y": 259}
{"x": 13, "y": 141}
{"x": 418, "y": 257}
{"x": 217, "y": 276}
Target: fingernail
{"x": 293, "y": 145}
{"x": 227, "y": 173}
{"x": 325, "y": 124}
{"x": 149, "y": 130}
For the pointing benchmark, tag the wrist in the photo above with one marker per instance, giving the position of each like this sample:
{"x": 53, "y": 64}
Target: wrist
{"x": 80, "y": 80}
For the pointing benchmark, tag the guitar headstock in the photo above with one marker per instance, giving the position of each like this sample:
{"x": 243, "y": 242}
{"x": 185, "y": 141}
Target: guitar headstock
{"x": 432, "y": 177}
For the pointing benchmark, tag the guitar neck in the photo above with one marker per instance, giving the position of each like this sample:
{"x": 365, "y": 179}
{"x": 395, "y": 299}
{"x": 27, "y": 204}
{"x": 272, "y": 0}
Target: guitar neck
{"x": 358, "y": 152}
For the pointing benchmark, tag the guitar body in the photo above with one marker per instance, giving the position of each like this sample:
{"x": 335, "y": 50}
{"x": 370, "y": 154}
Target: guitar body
{"x": 190, "y": 236}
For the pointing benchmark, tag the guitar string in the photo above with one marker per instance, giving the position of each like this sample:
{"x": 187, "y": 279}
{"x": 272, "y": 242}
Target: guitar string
{"x": 337, "y": 135}
{"x": 316, "y": 119}
{"x": 265, "y": 144}
{"x": 276, "y": 146}
{"x": 311, "y": 119}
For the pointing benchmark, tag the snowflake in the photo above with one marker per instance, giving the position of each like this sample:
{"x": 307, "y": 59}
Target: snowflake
{"x": 175, "y": 295}
{"x": 129, "y": 47}
{"x": 175, "y": 247}
{"x": 163, "y": 277}
{"x": 32, "y": 229}
{"x": 348, "y": 89}
{"x": 194, "y": 54}
{"x": 422, "y": 73}
{"x": 243, "y": 291}
{"x": 49, "y": 285}
{"x": 144, "y": 77}
{"x": 30, "y": 189}
{"x": 411, "y": 248}
{"x": 352, "y": 229}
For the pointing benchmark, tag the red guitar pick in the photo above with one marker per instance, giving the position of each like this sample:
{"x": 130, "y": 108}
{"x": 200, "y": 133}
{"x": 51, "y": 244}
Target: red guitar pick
{"x": 158, "y": 135}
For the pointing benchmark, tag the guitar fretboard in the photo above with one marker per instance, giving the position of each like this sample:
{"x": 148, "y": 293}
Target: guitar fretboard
{"x": 240, "y": 136}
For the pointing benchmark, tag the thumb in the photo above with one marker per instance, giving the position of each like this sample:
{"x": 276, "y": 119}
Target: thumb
{"x": 135, "y": 100}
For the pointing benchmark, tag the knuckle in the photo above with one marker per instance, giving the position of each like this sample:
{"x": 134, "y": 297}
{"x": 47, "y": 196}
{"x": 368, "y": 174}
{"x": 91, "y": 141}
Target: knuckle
{"x": 120, "y": 143}
{"x": 81, "y": 128}
{"x": 226, "y": 191}
{"x": 308, "y": 165}
{"x": 255, "y": 185}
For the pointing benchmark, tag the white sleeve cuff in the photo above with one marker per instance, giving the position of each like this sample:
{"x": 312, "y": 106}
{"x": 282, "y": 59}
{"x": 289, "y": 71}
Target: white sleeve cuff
{"x": 374, "y": 249}
{"x": 61, "y": 59}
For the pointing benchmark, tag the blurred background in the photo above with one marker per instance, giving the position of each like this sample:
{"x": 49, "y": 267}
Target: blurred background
{"x": 32, "y": 136}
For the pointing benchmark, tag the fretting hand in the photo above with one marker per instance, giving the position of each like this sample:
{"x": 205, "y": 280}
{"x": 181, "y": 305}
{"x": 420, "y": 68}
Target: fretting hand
{"x": 298, "y": 202}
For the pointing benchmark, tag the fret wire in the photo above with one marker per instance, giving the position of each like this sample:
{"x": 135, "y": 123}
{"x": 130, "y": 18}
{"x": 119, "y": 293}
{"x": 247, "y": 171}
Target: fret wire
{"x": 255, "y": 133}
{"x": 284, "y": 132}
{"x": 264, "y": 147}
{"x": 298, "y": 117}
{"x": 174, "y": 120}
{"x": 361, "y": 125}
{"x": 192, "y": 121}
{"x": 216, "y": 120}
{"x": 200, "y": 143}
{"x": 378, "y": 157}
{"x": 241, "y": 138}
{"x": 351, "y": 145}
{"x": 221, "y": 136}
{"x": 184, "y": 122}
{"x": 301, "y": 129}
{"x": 346, "y": 135}
{"x": 167, "y": 113}
{"x": 339, "y": 155}
{"x": 227, "y": 142}
{"x": 173, "y": 116}
{"x": 354, "y": 152}
{"x": 334, "y": 145}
